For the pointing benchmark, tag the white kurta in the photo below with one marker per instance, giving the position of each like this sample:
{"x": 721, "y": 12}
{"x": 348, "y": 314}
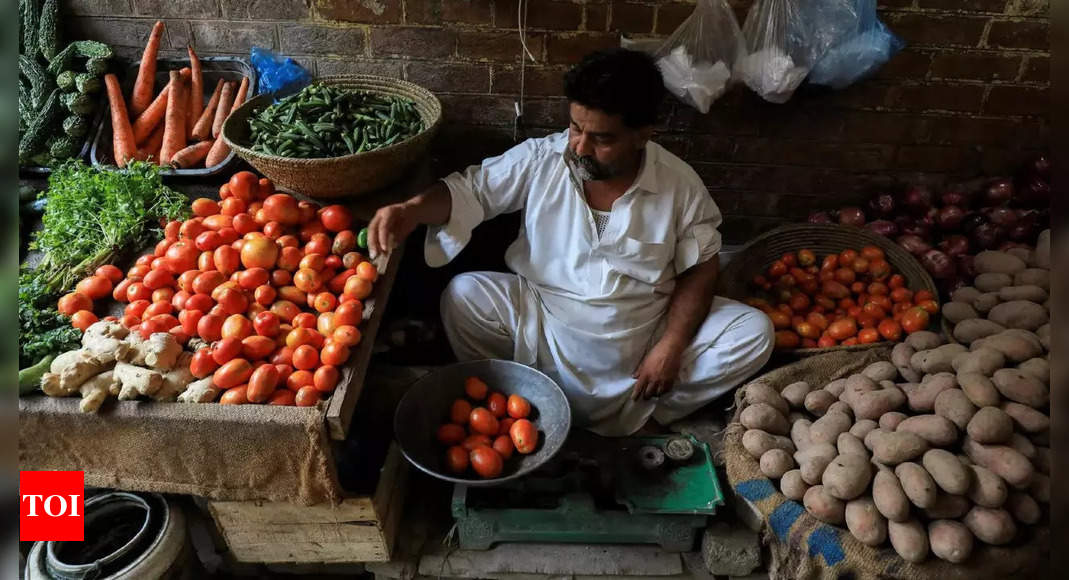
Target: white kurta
{"x": 585, "y": 308}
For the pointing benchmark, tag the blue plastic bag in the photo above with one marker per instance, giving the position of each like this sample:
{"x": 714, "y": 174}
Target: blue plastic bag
{"x": 857, "y": 55}
{"x": 278, "y": 75}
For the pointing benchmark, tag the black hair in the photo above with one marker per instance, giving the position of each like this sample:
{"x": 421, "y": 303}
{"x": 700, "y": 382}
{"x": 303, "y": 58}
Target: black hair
{"x": 618, "y": 81}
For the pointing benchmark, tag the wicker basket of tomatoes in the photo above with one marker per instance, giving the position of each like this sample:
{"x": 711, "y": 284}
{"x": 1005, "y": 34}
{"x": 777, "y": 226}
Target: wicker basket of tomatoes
{"x": 830, "y": 287}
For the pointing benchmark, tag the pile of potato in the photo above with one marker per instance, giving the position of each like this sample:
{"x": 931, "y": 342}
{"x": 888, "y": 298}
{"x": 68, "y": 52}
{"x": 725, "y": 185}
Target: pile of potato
{"x": 942, "y": 445}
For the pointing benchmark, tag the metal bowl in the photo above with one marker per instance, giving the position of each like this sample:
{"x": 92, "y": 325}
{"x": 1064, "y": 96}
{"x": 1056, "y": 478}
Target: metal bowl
{"x": 426, "y": 406}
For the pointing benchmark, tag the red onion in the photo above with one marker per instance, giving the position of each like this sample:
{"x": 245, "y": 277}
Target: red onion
{"x": 1008, "y": 245}
{"x": 1041, "y": 166}
{"x": 1036, "y": 191}
{"x": 820, "y": 217}
{"x": 972, "y": 221}
{"x": 1026, "y": 229}
{"x": 950, "y": 217}
{"x": 917, "y": 200}
{"x": 949, "y": 286}
{"x": 965, "y": 265}
{"x": 998, "y": 192}
{"x": 954, "y": 245}
{"x": 1003, "y": 216}
{"x": 913, "y": 244}
{"x": 954, "y": 197}
{"x": 987, "y": 236}
{"x": 938, "y": 264}
{"x": 882, "y": 227}
{"x": 852, "y": 216}
{"x": 882, "y": 205}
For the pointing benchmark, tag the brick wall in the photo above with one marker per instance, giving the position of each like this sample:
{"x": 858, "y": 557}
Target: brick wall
{"x": 968, "y": 96}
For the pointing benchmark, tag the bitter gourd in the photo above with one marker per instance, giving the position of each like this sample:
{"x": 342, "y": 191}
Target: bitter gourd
{"x": 78, "y": 103}
{"x": 96, "y": 66}
{"x": 62, "y": 147}
{"x": 75, "y": 126}
{"x": 65, "y": 81}
{"x": 48, "y": 29}
{"x": 41, "y": 83}
{"x": 30, "y": 12}
{"x": 37, "y": 133}
{"x": 87, "y": 83}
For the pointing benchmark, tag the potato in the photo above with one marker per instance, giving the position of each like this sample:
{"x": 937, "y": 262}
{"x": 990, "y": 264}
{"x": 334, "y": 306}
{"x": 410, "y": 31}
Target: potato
{"x": 1041, "y": 460}
{"x": 937, "y": 360}
{"x": 1020, "y": 505}
{"x": 969, "y": 330}
{"x": 800, "y": 434}
{"x": 921, "y": 398}
{"x": 827, "y": 428}
{"x": 836, "y": 387}
{"x": 856, "y": 385}
{"x": 888, "y": 496}
{"x": 1027, "y": 255}
{"x": 775, "y": 462}
{"x": 814, "y": 459}
{"x": 817, "y": 402}
{"x": 990, "y": 526}
{"x": 1040, "y": 488}
{"x": 1037, "y": 277}
{"x": 847, "y": 476}
{"x": 985, "y": 302}
{"x": 848, "y": 443}
{"x": 998, "y": 262}
{"x": 986, "y": 488}
{"x": 979, "y": 389}
{"x": 792, "y": 485}
{"x": 795, "y": 393}
{"x": 937, "y": 431}
{"x": 1027, "y": 292}
{"x": 1022, "y": 445}
{"x": 1018, "y": 314}
{"x": 895, "y": 448}
{"x": 823, "y": 506}
{"x": 1003, "y": 461}
{"x": 965, "y": 295}
{"x": 1038, "y": 368}
{"x": 1026, "y": 418}
{"x": 862, "y": 428}
{"x": 947, "y": 506}
{"x": 757, "y": 442}
{"x": 917, "y": 484}
{"x": 1043, "y": 249}
{"x": 1016, "y": 345}
{"x": 955, "y": 312}
{"x": 1039, "y": 438}
{"x": 947, "y": 472}
{"x": 1043, "y": 334}
{"x": 765, "y": 417}
{"x": 840, "y": 407}
{"x": 901, "y": 354}
{"x": 951, "y": 541}
{"x": 955, "y": 406}
{"x": 881, "y": 371}
{"x": 982, "y": 360}
{"x": 990, "y": 426}
{"x": 1021, "y": 387}
{"x": 992, "y": 282}
{"x": 924, "y": 340}
{"x": 890, "y": 421}
{"x": 762, "y": 393}
{"x": 796, "y": 416}
{"x": 909, "y": 539}
{"x": 876, "y": 404}
{"x": 865, "y": 521}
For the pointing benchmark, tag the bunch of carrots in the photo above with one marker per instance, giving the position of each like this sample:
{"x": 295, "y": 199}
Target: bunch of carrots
{"x": 174, "y": 128}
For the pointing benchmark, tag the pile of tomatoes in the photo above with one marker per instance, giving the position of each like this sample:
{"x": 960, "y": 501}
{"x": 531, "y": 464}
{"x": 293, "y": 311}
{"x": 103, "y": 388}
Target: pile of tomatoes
{"x": 483, "y": 437}
{"x": 853, "y": 297}
{"x": 274, "y": 286}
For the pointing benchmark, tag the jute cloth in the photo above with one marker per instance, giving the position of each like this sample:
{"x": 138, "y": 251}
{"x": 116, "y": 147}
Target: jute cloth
{"x": 803, "y": 547}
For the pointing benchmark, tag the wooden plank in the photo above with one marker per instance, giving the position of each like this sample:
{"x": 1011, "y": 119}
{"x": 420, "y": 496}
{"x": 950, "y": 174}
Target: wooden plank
{"x": 309, "y": 544}
{"x": 396, "y": 507}
{"x": 267, "y": 513}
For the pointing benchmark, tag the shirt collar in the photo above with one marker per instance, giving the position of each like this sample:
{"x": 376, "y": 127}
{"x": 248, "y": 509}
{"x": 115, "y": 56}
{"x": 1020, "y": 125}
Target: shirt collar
{"x": 647, "y": 178}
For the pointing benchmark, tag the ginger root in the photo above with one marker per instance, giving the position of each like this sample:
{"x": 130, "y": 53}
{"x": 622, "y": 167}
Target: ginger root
{"x": 136, "y": 381}
{"x": 105, "y": 340}
{"x": 202, "y": 391}
{"x": 176, "y": 380}
{"x": 159, "y": 352}
{"x": 70, "y": 369}
{"x": 96, "y": 390}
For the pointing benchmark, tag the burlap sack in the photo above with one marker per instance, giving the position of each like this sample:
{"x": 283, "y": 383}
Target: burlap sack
{"x": 803, "y": 547}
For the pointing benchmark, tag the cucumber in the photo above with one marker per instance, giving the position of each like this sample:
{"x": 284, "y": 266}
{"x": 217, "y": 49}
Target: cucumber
{"x": 30, "y": 377}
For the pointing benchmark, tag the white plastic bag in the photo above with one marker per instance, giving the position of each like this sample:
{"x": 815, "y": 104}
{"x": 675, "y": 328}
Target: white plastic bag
{"x": 779, "y": 49}
{"x": 695, "y": 61}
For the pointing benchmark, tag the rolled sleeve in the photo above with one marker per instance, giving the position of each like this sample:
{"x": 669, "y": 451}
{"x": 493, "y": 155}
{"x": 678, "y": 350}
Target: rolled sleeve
{"x": 698, "y": 239}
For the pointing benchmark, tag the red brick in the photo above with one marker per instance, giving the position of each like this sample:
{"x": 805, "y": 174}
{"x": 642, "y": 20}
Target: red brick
{"x": 928, "y": 29}
{"x": 671, "y": 15}
{"x": 973, "y": 66}
{"x": 679, "y": 145}
{"x": 865, "y": 95}
{"x": 537, "y": 81}
{"x": 385, "y": 68}
{"x": 96, "y": 8}
{"x": 633, "y": 18}
{"x": 497, "y": 46}
{"x": 264, "y": 9}
{"x": 1018, "y": 101}
{"x": 448, "y": 11}
{"x": 597, "y": 17}
{"x": 450, "y": 78}
{"x": 860, "y": 157}
{"x": 413, "y": 41}
{"x": 883, "y": 127}
{"x": 1037, "y": 69}
{"x": 719, "y": 121}
{"x": 570, "y": 48}
{"x": 941, "y": 97}
{"x": 222, "y": 36}
{"x": 936, "y": 158}
{"x": 1023, "y": 34}
{"x": 541, "y": 14}
{"x": 907, "y": 64}
{"x": 477, "y": 109}
{"x": 795, "y": 121}
{"x": 183, "y": 9}
{"x": 994, "y": 6}
{"x": 551, "y": 113}
{"x": 314, "y": 39}
{"x": 378, "y": 12}
{"x": 976, "y": 131}
{"x": 711, "y": 148}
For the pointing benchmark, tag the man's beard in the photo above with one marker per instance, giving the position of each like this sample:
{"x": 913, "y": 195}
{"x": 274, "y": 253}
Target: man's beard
{"x": 589, "y": 169}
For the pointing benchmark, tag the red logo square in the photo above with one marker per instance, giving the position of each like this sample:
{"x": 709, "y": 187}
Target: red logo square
{"x": 52, "y": 506}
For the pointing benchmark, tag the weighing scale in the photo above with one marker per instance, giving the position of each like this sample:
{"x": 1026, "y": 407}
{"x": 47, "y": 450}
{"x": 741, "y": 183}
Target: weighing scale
{"x": 642, "y": 490}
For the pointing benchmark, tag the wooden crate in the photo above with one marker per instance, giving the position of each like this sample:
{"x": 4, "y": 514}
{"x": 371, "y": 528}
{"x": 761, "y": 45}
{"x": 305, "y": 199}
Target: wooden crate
{"x": 360, "y": 529}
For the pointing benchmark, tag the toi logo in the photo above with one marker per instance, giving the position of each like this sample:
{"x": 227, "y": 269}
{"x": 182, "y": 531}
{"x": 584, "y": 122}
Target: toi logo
{"x": 51, "y": 506}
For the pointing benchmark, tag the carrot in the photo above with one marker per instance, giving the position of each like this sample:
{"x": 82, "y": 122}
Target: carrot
{"x": 151, "y": 147}
{"x": 174, "y": 132}
{"x": 191, "y": 155}
{"x": 151, "y": 117}
{"x": 146, "y": 73}
{"x": 217, "y": 154}
{"x": 123, "y": 135}
{"x": 242, "y": 91}
{"x": 222, "y": 110}
{"x": 203, "y": 128}
{"x": 196, "y": 92}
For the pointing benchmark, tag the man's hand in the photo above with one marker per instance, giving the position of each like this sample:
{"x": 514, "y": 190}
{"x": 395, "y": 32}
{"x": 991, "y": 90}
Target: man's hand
{"x": 658, "y": 372}
{"x": 390, "y": 226}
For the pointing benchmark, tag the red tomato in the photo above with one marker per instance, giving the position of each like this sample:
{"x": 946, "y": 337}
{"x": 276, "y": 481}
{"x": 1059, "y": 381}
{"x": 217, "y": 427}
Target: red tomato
{"x": 358, "y": 287}
{"x": 483, "y": 421}
{"x": 95, "y": 287}
{"x": 868, "y": 335}
{"x": 896, "y": 281}
{"x": 367, "y": 271}
{"x": 226, "y": 350}
{"x": 325, "y": 302}
{"x": 73, "y": 302}
{"x": 208, "y": 241}
{"x": 182, "y": 256}
{"x": 333, "y": 262}
{"x": 192, "y": 228}
{"x": 243, "y": 223}
{"x": 890, "y": 330}
{"x": 787, "y": 339}
{"x": 305, "y": 357}
{"x": 524, "y": 436}
{"x": 83, "y": 319}
{"x": 244, "y": 185}
{"x": 137, "y": 291}
{"x": 283, "y": 397}
{"x": 460, "y": 412}
{"x": 162, "y": 295}
{"x": 334, "y": 354}
{"x": 285, "y": 310}
{"x": 346, "y": 335}
{"x": 262, "y": 383}
{"x": 476, "y": 440}
{"x": 200, "y": 301}
{"x": 451, "y": 434}
{"x": 204, "y": 207}
{"x": 310, "y": 229}
{"x": 266, "y": 324}
{"x": 233, "y": 301}
{"x": 336, "y": 218}
{"x": 202, "y": 364}
{"x": 119, "y": 292}
{"x": 326, "y": 378}
{"x": 456, "y": 459}
{"x": 503, "y": 446}
{"x": 265, "y": 189}
{"x": 349, "y": 313}
{"x": 518, "y": 407}
{"x": 282, "y": 208}
{"x": 237, "y": 395}
{"x": 914, "y": 319}
{"x": 226, "y": 259}
{"x": 308, "y": 397}
{"x": 236, "y": 326}
{"x": 232, "y": 374}
{"x": 505, "y": 425}
{"x": 842, "y": 329}
{"x": 157, "y": 308}
{"x": 110, "y": 272}
{"x": 257, "y": 347}
{"x": 170, "y": 231}
{"x": 299, "y": 379}
{"x": 210, "y": 327}
{"x": 486, "y": 462}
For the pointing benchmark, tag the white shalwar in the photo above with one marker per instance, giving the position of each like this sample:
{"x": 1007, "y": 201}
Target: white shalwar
{"x": 585, "y": 308}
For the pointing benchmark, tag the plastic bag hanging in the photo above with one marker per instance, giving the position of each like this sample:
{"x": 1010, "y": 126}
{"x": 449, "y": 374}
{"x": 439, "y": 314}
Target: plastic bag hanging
{"x": 277, "y": 75}
{"x": 780, "y": 50}
{"x": 859, "y": 54}
{"x": 695, "y": 61}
